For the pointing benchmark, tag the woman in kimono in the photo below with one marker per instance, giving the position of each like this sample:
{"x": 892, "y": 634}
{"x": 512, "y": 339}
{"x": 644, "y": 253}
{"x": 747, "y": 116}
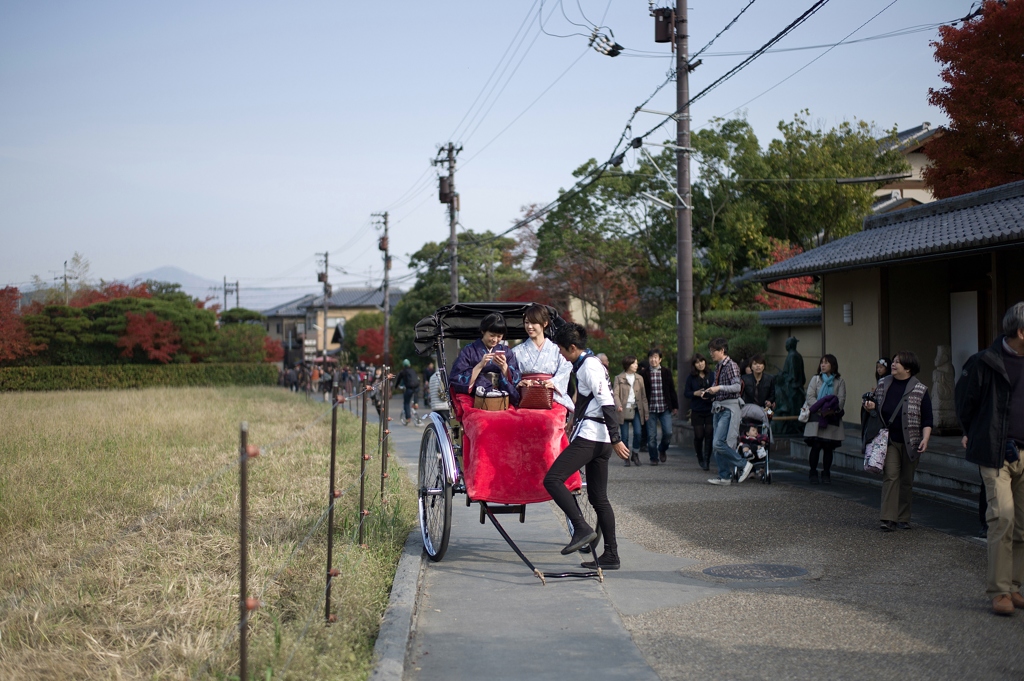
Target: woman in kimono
{"x": 487, "y": 367}
{"x": 539, "y": 356}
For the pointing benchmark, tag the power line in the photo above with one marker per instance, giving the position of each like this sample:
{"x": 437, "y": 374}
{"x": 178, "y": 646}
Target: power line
{"x": 727, "y": 27}
{"x": 807, "y": 14}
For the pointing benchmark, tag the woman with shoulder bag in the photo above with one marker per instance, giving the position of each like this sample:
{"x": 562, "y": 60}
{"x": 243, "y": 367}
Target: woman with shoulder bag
{"x": 631, "y": 404}
{"x": 699, "y": 380}
{"x": 824, "y": 401}
{"x": 541, "y": 365}
{"x": 905, "y": 409}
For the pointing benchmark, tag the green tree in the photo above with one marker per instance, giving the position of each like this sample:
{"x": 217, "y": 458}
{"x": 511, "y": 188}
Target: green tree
{"x": 240, "y": 315}
{"x": 238, "y": 343}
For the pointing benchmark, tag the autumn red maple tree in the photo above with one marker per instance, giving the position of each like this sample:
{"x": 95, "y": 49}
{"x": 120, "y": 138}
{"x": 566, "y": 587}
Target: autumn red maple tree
{"x": 158, "y": 339}
{"x": 798, "y": 286}
{"x": 273, "y": 351}
{"x": 14, "y": 339}
{"x": 370, "y": 344}
{"x": 107, "y": 292}
{"x": 983, "y": 68}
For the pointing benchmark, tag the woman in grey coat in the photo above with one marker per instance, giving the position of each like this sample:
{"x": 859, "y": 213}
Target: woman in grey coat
{"x": 824, "y": 432}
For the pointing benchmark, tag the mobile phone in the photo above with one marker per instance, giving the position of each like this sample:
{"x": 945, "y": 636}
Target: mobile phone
{"x": 498, "y": 352}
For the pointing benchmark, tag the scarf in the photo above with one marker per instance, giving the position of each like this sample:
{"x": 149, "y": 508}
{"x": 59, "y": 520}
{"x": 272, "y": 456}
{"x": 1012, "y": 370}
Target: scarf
{"x": 827, "y": 381}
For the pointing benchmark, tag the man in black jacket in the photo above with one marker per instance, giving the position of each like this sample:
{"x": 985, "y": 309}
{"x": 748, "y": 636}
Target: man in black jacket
{"x": 990, "y": 406}
{"x": 662, "y": 403}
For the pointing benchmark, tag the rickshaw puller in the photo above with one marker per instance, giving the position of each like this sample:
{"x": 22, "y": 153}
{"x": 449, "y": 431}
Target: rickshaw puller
{"x": 591, "y": 446}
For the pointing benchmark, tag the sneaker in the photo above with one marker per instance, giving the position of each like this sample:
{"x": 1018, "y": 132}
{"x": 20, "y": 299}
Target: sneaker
{"x": 746, "y": 471}
{"x": 581, "y": 536}
{"x": 1002, "y": 605}
{"x": 607, "y": 561}
{"x": 720, "y": 481}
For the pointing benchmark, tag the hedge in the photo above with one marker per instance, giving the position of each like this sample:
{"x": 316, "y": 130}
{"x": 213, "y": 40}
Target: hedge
{"x": 120, "y": 376}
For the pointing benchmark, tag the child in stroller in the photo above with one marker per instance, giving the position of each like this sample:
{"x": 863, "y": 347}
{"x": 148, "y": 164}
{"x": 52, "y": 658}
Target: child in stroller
{"x": 753, "y": 444}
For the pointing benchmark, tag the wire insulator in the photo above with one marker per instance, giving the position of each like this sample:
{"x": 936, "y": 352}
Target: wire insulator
{"x": 337, "y": 493}
{"x": 385, "y": 475}
{"x": 366, "y": 457}
{"x": 252, "y": 451}
{"x": 334, "y": 572}
{"x": 365, "y": 512}
{"x": 332, "y": 618}
{"x": 252, "y": 603}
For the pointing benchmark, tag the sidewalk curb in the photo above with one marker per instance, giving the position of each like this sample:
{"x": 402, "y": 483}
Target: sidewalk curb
{"x": 950, "y": 499}
{"x": 395, "y": 630}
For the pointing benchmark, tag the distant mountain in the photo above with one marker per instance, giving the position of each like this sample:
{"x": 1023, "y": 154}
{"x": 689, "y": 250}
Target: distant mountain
{"x": 192, "y": 284}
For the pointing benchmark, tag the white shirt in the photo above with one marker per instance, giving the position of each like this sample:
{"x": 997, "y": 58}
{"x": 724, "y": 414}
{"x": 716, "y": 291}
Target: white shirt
{"x": 592, "y": 379}
{"x": 631, "y": 400}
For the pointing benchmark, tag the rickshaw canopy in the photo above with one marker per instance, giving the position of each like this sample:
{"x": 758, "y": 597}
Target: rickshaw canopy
{"x": 461, "y": 321}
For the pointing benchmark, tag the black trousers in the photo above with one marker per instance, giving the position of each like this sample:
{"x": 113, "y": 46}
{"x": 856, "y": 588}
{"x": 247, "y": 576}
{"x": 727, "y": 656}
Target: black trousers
{"x": 703, "y": 434}
{"x": 592, "y": 456}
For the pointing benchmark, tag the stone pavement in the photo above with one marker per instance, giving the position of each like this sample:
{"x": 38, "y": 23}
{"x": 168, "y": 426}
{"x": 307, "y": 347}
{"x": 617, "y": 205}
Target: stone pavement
{"x": 909, "y": 604}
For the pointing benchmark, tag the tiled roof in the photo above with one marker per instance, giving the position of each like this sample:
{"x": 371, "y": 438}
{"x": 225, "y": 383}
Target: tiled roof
{"x": 912, "y": 138}
{"x": 893, "y": 202}
{"x": 293, "y": 308}
{"x": 357, "y": 297}
{"x": 809, "y": 316}
{"x": 981, "y": 220}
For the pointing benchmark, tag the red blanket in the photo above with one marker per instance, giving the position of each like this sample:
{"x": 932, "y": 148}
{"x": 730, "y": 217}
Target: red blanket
{"x": 506, "y": 454}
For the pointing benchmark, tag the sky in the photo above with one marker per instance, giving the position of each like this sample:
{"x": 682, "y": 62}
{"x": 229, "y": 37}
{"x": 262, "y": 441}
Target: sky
{"x": 238, "y": 139}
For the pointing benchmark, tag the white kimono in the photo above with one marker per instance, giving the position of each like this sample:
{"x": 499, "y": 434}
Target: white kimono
{"x": 546, "y": 360}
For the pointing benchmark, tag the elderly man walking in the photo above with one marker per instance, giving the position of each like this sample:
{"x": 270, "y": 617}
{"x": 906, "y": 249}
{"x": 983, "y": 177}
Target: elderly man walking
{"x": 990, "y": 406}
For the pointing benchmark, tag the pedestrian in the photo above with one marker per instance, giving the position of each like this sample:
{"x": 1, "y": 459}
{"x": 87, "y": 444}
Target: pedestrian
{"x": 758, "y": 387}
{"x": 990, "y": 406}
{"x": 410, "y": 381}
{"x": 428, "y": 373}
{"x": 631, "y": 404}
{"x": 662, "y": 404}
{"x": 825, "y": 401}
{"x": 593, "y": 440}
{"x": 700, "y": 409}
{"x": 725, "y": 392}
{"x": 901, "y": 395}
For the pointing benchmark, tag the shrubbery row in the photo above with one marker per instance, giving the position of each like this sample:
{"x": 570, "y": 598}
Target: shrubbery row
{"x": 120, "y": 376}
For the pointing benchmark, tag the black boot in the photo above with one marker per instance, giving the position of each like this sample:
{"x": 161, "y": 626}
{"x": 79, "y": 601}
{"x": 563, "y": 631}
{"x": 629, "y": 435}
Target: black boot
{"x": 581, "y": 536}
{"x": 813, "y": 477}
{"x": 609, "y": 560}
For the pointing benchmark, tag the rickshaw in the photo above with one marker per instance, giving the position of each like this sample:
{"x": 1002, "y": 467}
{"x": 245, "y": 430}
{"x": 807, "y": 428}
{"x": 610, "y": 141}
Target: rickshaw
{"x": 451, "y": 462}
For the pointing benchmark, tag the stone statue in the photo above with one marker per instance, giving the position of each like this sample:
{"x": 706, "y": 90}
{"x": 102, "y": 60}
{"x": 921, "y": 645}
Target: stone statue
{"x": 942, "y": 388}
{"x": 789, "y": 392}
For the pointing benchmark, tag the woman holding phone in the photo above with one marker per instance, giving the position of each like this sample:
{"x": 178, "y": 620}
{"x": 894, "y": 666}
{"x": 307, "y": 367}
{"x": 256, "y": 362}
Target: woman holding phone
{"x": 485, "y": 368}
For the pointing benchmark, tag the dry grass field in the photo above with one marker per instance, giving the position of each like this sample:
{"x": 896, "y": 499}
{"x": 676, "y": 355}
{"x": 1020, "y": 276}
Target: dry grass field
{"x": 115, "y": 566}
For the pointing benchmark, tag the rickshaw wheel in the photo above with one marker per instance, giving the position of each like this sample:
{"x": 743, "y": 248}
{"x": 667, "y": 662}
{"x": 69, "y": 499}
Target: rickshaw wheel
{"x": 435, "y": 496}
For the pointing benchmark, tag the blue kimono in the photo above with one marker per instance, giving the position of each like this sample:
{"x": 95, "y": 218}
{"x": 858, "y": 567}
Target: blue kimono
{"x": 470, "y": 356}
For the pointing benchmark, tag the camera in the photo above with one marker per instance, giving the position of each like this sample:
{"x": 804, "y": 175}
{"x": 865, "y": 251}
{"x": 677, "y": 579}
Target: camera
{"x": 868, "y": 397}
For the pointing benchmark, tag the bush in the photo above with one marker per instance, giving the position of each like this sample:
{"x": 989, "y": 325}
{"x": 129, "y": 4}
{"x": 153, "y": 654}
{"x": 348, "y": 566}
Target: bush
{"x": 120, "y": 376}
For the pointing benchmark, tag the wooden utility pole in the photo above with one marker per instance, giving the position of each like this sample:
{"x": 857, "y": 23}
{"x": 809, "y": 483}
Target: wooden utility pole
{"x": 385, "y": 246}
{"x": 323, "y": 278}
{"x": 684, "y": 213}
{"x": 447, "y": 194}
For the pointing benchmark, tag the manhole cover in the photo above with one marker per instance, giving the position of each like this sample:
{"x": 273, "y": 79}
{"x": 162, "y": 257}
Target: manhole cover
{"x": 755, "y": 571}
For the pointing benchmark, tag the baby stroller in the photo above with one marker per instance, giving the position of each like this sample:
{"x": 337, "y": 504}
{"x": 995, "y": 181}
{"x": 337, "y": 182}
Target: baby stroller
{"x": 755, "y": 439}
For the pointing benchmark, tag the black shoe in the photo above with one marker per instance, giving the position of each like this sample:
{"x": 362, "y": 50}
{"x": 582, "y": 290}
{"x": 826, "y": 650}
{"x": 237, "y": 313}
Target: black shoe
{"x": 626, "y": 463}
{"x": 654, "y": 462}
{"x": 887, "y": 526}
{"x": 608, "y": 561}
{"x": 813, "y": 477}
{"x": 663, "y": 457}
{"x": 826, "y": 478}
{"x": 580, "y": 538}
{"x": 635, "y": 458}
{"x": 903, "y": 526}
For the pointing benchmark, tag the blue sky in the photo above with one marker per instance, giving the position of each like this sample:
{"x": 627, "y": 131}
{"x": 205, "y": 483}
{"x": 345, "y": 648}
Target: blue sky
{"x": 238, "y": 139}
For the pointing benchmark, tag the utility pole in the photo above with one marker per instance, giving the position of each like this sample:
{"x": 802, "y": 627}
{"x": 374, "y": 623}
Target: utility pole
{"x": 684, "y": 212}
{"x": 322, "y": 277}
{"x": 65, "y": 278}
{"x": 230, "y": 288}
{"x": 383, "y": 246}
{"x": 447, "y": 194}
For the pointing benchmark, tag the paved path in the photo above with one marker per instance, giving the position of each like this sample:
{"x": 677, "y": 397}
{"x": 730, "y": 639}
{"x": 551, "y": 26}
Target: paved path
{"x": 908, "y": 604}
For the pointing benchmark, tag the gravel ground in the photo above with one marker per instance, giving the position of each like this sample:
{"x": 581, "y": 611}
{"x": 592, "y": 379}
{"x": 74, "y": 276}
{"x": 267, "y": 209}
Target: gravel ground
{"x": 908, "y": 604}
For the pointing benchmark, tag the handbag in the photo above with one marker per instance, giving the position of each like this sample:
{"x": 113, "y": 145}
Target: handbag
{"x": 805, "y": 414}
{"x": 874, "y": 452}
{"x": 627, "y": 414}
{"x": 499, "y": 403}
{"x": 533, "y": 396}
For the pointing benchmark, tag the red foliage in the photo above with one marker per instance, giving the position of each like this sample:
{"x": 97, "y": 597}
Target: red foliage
{"x": 525, "y": 292}
{"x": 159, "y": 339}
{"x": 273, "y": 350}
{"x": 983, "y": 68}
{"x": 370, "y": 345}
{"x": 109, "y": 292}
{"x": 14, "y": 339}
{"x": 799, "y": 286}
